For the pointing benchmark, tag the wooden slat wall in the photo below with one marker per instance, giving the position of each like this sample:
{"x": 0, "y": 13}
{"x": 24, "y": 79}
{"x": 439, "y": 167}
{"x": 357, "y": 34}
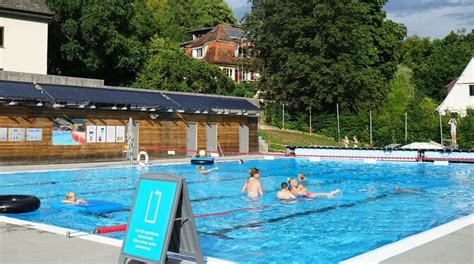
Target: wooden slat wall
{"x": 156, "y": 133}
{"x": 167, "y": 130}
{"x": 228, "y": 136}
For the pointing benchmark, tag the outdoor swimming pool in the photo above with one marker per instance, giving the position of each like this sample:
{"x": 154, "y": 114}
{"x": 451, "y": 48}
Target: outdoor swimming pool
{"x": 369, "y": 213}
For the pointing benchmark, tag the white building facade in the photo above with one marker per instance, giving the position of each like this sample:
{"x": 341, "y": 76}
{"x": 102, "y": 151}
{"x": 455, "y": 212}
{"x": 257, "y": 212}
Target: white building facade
{"x": 461, "y": 95}
{"x": 24, "y": 36}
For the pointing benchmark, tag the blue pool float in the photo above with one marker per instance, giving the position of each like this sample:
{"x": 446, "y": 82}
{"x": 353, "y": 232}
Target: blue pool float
{"x": 92, "y": 206}
{"x": 204, "y": 160}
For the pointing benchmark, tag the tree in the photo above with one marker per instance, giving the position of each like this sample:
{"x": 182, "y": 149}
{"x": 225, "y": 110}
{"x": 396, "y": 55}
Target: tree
{"x": 444, "y": 64}
{"x": 99, "y": 39}
{"x": 314, "y": 54}
{"x": 176, "y": 17}
{"x": 168, "y": 68}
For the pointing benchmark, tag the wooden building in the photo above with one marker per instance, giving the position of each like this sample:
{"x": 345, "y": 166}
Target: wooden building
{"x": 51, "y": 123}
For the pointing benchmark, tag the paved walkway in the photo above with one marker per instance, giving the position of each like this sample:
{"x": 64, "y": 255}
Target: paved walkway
{"x": 24, "y": 245}
{"x": 454, "y": 248}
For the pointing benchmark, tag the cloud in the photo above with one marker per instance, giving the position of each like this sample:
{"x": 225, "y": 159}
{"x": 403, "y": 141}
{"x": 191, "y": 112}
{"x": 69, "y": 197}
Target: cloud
{"x": 435, "y": 23}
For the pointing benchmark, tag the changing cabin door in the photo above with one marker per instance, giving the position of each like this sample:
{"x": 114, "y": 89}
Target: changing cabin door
{"x": 191, "y": 141}
{"x": 243, "y": 138}
{"x": 211, "y": 137}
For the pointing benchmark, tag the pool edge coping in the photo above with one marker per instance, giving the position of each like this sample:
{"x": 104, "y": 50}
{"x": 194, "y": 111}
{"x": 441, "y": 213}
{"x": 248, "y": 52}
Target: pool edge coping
{"x": 87, "y": 236}
{"x": 398, "y": 247}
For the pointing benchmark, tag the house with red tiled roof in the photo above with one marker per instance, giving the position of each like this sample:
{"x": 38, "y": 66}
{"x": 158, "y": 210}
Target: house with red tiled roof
{"x": 225, "y": 46}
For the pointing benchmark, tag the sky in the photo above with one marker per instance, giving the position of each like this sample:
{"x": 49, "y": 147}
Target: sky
{"x": 426, "y": 18}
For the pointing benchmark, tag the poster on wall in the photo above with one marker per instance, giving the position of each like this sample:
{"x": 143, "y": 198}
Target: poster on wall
{"x": 16, "y": 134}
{"x": 34, "y": 134}
{"x": 110, "y": 134}
{"x": 120, "y": 134}
{"x": 3, "y": 134}
{"x": 68, "y": 131}
{"x": 91, "y": 134}
{"x": 101, "y": 133}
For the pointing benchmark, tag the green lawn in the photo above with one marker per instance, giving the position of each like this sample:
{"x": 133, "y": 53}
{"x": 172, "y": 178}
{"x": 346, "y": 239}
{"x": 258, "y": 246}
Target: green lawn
{"x": 278, "y": 139}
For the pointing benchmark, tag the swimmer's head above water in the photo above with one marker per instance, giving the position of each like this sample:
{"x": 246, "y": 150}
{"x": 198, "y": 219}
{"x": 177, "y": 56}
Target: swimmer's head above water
{"x": 253, "y": 172}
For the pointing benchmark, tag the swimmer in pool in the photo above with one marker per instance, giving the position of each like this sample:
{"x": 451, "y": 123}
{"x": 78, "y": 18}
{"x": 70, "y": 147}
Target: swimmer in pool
{"x": 407, "y": 190}
{"x": 203, "y": 170}
{"x": 300, "y": 190}
{"x": 284, "y": 193}
{"x": 71, "y": 199}
{"x": 301, "y": 177}
{"x": 252, "y": 185}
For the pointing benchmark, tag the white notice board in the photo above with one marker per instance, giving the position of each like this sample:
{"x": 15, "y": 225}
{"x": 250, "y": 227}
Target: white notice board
{"x": 101, "y": 133}
{"x": 91, "y": 134}
{"x": 16, "y": 134}
{"x": 3, "y": 134}
{"x": 110, "y": 134}
{"x": 120, "y": 134}
{"x": 34, "y": 134}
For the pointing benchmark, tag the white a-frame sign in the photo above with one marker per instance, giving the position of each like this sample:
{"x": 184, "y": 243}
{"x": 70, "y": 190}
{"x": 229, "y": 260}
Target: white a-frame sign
{"x": 161, "y": 222}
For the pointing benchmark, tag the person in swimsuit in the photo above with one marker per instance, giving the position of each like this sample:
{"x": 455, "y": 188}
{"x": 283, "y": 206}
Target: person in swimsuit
{"x": 202, "y": 169}
{"x": 252, "y": 185}
{"x": 284, "y": 193}
{"x": 453, "y": 124}
{"x": 71, "y": 199}
{"x": 300, "y": 190}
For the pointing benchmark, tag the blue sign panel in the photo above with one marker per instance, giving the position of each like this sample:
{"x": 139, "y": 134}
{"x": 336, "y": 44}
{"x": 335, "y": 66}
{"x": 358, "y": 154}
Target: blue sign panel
{"x": 150, "y": 219}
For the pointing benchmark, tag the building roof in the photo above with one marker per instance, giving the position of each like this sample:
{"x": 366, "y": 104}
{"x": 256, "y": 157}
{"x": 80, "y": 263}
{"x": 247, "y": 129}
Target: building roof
{"x": 13, "y": 92}
{"x": 222, "y": 32}
{"x": 37, "y": 7}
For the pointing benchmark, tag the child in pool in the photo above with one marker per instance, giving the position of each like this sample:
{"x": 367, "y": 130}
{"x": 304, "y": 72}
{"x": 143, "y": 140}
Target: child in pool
{"x": 252, "y": 186}
{"x": 71, "y": 199}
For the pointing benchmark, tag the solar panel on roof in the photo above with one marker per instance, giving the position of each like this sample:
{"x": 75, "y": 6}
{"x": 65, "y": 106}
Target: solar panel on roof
{"x": 20, "y": 91}
{"x": 195, "y": 102}
{"x": 107, "y": 96}
{"x": 234, "y": 33}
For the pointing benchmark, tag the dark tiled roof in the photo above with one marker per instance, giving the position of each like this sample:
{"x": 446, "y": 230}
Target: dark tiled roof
{"x": 26, "y": 6}
{"x": 219, "y": 33}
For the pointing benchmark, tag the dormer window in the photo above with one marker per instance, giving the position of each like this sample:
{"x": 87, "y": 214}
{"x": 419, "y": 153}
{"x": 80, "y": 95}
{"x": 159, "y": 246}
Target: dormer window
{"x": 198, "y": 52}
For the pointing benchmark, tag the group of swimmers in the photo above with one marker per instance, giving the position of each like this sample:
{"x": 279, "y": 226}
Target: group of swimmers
{"x": 290, "y": 190}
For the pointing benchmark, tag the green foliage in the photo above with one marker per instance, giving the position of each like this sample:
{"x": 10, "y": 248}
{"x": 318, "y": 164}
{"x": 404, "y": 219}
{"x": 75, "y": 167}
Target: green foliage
{"x": 440, "y": 63}
{"x": 465, "y": 131}
{"x": 314, "y": 54}
{"x": 176, "y": 17}
{"x": 168, "y": 68}
{"x": 99, "y": 39}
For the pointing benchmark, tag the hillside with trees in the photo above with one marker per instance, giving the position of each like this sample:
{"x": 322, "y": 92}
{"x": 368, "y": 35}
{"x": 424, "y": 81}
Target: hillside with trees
{"x": 311, "y": 56}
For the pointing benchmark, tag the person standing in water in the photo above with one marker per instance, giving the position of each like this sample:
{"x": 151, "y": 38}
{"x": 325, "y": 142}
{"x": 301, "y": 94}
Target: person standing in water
{"x": 252, "y": 185}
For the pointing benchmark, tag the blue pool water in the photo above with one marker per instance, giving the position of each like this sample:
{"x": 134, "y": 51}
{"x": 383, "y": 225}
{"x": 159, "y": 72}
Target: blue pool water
{"x": 368, "y": 214}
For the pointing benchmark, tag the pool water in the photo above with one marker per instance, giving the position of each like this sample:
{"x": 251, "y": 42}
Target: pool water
{"x": 368, "y": 214}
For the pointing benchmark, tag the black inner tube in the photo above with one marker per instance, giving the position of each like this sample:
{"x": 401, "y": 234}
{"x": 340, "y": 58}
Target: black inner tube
{"x": 18, "y": 204}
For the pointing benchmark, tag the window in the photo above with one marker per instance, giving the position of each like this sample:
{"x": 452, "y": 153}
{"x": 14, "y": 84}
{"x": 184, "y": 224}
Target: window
{"x": 1, "y": 37}
{"x": 197, "y": 53}
{"x": 471, "y": 90}
{"x": 229, "y": 72}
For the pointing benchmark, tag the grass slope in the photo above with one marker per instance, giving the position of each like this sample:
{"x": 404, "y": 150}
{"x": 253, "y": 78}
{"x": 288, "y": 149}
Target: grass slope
{"x": 278, "y": 139}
